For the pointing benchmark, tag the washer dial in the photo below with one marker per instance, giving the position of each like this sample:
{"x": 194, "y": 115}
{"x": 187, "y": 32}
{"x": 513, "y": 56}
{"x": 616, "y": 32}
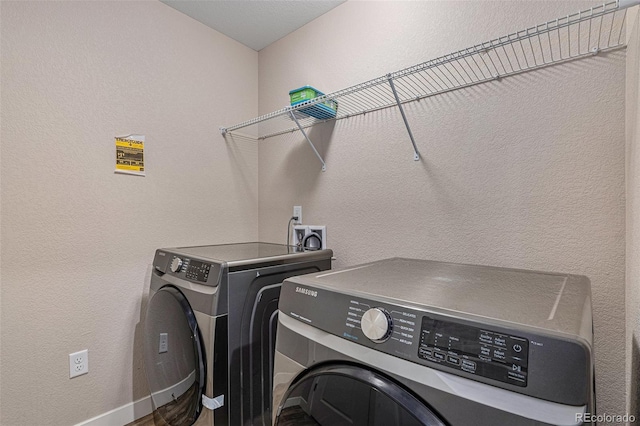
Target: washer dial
{"x": 376, "y": 325}
{"x": 176, "y": 264}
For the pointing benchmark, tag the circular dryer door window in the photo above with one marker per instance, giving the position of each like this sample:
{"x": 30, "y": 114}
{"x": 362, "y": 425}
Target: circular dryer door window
{"x": 337, "y": 395}
{"x": 174, "y": 357}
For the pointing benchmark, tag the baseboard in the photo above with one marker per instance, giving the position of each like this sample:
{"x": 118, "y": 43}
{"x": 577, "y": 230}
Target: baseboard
{"x": 167, "y": 395}
{"x": 140, "y": 408}
{"x": 122, "y": 415}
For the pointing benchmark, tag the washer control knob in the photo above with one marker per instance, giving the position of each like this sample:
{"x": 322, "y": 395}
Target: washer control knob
{"x": 376, "y": 325}
{"x": 176, "y": 264}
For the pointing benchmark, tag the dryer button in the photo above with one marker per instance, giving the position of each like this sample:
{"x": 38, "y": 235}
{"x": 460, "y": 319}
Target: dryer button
{"x": 376, "y": 325}
{"x": 468, "y": 366}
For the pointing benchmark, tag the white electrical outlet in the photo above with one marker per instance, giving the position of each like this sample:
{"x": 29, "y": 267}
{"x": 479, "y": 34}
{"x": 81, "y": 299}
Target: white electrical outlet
{"x": 297, "y": 212}
{"x": 164, "y": 343}
{"x": 78, "y": 363}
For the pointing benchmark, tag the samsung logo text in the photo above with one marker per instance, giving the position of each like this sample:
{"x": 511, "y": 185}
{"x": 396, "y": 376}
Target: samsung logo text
{"x": 306, "y": 291}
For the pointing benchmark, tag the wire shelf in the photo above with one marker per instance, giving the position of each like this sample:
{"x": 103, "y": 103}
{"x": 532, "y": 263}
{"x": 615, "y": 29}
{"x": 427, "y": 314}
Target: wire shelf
{"x": 575, "y": 36}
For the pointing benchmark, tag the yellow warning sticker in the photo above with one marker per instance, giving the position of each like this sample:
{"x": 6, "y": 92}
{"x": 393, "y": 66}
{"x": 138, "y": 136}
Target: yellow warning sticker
{"x": 130, "y": 154}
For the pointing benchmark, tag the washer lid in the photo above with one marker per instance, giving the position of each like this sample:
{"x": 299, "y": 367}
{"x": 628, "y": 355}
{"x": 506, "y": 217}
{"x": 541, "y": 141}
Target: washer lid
{"x": 174, "y": 357}
{"x": 253, "y": 254}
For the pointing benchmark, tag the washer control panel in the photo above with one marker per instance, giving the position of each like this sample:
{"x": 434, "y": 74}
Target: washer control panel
{"x": 191, "y": 269}
{"x": 475, "y": 350}
{"x": 187, "y": 268}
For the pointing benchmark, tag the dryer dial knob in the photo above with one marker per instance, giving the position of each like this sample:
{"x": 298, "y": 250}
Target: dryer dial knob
{"x": 176, "y": 264}
{"x": 376, "y": 325}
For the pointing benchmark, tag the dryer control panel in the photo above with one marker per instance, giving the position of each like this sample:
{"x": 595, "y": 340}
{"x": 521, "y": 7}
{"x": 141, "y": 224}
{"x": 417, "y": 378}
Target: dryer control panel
{"x": 503, "y": 355}
{"x": 475, "y": 350}
{"x": 495, "y": 355}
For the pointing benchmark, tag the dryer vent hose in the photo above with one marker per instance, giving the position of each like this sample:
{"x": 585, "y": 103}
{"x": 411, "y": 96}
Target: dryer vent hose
{"x": 312, "y": 241}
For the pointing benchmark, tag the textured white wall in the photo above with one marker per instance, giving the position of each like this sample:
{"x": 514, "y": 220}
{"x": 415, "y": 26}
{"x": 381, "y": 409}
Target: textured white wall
{"x": 77, "y": 239}
{"x": 526, "y": 172}
{"x": 633, "y": 216}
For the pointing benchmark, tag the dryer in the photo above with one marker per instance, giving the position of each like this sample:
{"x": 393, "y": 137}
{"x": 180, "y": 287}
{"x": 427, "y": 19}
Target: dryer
{"x": 210, "y": 326}
{"x": 414, "y": 342}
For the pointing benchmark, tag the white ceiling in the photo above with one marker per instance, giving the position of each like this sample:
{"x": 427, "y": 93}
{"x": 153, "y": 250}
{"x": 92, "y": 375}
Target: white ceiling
{"x": 254, "y": 23}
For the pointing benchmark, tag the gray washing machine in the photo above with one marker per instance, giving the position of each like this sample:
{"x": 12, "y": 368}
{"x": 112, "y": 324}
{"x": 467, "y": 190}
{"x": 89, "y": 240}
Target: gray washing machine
{"x": 209, "y": 332}
{"x": 413, "y": 342}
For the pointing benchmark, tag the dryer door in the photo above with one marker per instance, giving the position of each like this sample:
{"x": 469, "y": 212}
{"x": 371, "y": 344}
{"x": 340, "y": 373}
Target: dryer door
{"x": 336, "y": 395}
{"x": 174, "y": 357}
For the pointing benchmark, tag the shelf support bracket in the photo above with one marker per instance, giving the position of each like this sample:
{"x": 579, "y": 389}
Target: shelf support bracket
{"x": 416, "y": 154}
{"x": 315, "y": 151}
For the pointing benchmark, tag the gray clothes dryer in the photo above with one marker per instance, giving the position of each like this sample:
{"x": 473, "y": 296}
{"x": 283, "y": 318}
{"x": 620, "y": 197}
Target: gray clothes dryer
{"x": 414, "y": 342}
{"x": 210, "y": 326}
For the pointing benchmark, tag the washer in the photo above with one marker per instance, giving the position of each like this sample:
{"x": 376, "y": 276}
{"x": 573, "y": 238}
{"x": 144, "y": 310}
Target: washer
{"x": 209, "y": 333}
{"x": 414, "y": 342}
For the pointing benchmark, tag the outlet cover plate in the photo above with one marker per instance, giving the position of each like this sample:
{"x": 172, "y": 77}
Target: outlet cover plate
{"x": 78, "y": 363}
{"x": 297, "y": 212}
{"x": 164, "y": 343}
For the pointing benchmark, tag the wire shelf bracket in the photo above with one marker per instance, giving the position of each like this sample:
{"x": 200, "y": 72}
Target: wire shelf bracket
{"x": 576, "y": 36}
{"x": 416, "y": 155}
{"x": 315, "y": 151}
